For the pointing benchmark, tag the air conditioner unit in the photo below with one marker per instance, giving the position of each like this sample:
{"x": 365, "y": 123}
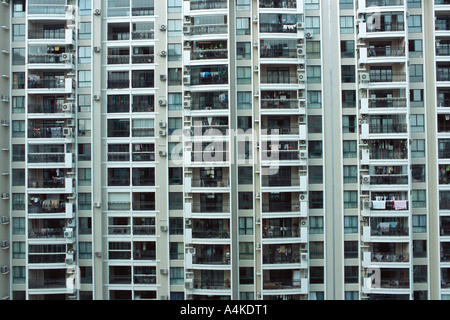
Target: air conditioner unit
{"x": 162, "y": 27}
{"x": 187, "y": 29}
{"x": 162, "y": 153}
{"x": 365, "y": 179}
{"x": 187, "y": 79}
{"x": 188, "y": 223}
{"x": 5, "y": 269}
{"x": 68, "y": 233}
{"x": 303, "y": 142}
{"x": 4, "y": 219}
{"x": 5, "y": 195}
{"x": 97, "y": 12}
{"x": 364, "y": 77}
{"x": 162, "y": 124}
{"x": 71, "y": 223}
{"x": 67, "y": 132}
{"x": 303, "y": 154}
{"x": 162, "y": 133}
{"x": 362, "y": 121}
{"x": 69, "y": 261}
{"x": 97, "y": 49}
{"x": 162, "y": 77}
{"x": 309, "y": 34}
{"x": 163, "y": 228}
{"x": 67, "y": 107}
{"x": 366, "y": 204}
{"x": 97, "y": 97}
{"x": 304, "y": 223}
{"x": 70, "y": 122}
{"x": 66, "y": 56}
{"x": 4, "y": 244}
{"x": 162, "y": 102}
{"x": 255, "y": 68}
{"x": 300, "y": 25}
{"x": 189, "y": 285}
{"x": 301, "y": 77}
{"x": 97, "y": 204}
{"x": 301, "y": 51}
{"x": 301, "y": 120}
{"x": 162, "y": 53}
{"x": 187, "y": 104}
{"x": 163, "y": 271}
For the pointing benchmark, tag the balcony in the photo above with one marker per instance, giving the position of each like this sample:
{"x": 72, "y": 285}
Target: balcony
{"x": 382, "y": 54}
{"x": 391, "y": 228}
{"x": 209, "y": 50}
{"x": 281, "y": 4}
{"x": 286, "y": 102}
{"x": 50, "y": 61}
{"x": 46, "y": 229}
{"x": 442, "y": 25}
{"x": 210, "y": 229}
{"x": 49, "y": 130}
{"x": 213, "y": 75}
{"x": 58, "y": 35}
{"x": 274, "y": 280}
{"x": 208, "y": 5}
{"x": 41, "y": 160}
{"x": 388, "y": 281}
{"x": 275, "y": 23}
{"x": 212, "y": 255}
{"x": 285, "y": 253}
{"x": 42, "y": 204}
{"x": 375, "y": 104}
{"x": 388, "y": 150}
{"x": 211, "y": 101}
{"x": 61, "y": 85}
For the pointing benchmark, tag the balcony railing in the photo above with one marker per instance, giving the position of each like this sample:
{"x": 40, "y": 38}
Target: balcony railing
{"x": 211, "y": 207}
{"x": 387, "y": 77}
{"x": 280, "y": 182}
{"x": 387, "y": 103}
{"x": 46, "y": 83}
{"x": 279, "y": 103}
{"x": 57, "y": 34}
{"x": 280, "y": 130}
{"x": 388, "y": 154}
{"x": 47, "y": 206}
{"x": 278, "y": 27}
{"x": 271, "y": 232}
{"x": 211, "y": 259}
{"x": 46, "y": 157}
{"x": 280, "y": 79}
{"x": 207, "y": 54}
{"x": 46, "y": 283}
{"x": 389, "y": 257}
{"x": 210, "y": 234}
{"x": 281, "y": 207}
{"x": 45, "y": 58}
{"x": 285, "y": 4}
{"x": 389, "y": 204}
{"x": 205, "y": 5}
{"x": 388, "y": 179}
{"x": 281, "y": 284}
{"x": 278, "y": 53}
{"x": 388, "y": 128}
{"x": 209, "y": 29}
{"x": 383, "y": 3}
{"x": 46, "y": 132}
{"x": 386, "y": 52}
{"x": 47, "y": 9}
{"x": 209, "y": 156}
{"x": 280, "y": 155}
{"x": 46, "y": 233}
{"x": 211, "y": 284}
{"x": 57, "y": 182}
{"x": 282, "y": 257}
{"x": 210, "y": 183}
{"x": 143, "y": 58}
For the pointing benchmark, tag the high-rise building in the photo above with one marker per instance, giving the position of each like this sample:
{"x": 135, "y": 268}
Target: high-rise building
{"x": 225, "y": 149}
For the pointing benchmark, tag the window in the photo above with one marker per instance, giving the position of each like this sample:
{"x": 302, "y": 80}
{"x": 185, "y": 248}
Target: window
{"x": 348, "y": 99}
{"x": 414, "y": 3}
{"x": 174, "y": 52}
{"x": 174, "y": 5}
{"x": 316, "y": 275}
{"x": 176, "y": 250}
{"x": 316, "y": 250}
{"x": 347, "y": 25}
{"x": 315, "y": 149}
{"x": 18, "y": 274}
{"x": 18, "y": 250}
{"x": 245, "y": 250}
{"x": 418, "y": 148}
{"x": 84, "y": 201}
{"x": 176, "y": 275}
{"x": 84, "y": 54}
{"x": 18, "y": 32}
{"x": 244, "y": 75}
{"x": 351, "y": 295}
{"x": 415, "y": 48}
{"x": 314, "y": 99}
{"x": 417, "y": 123}
{"x": 245, "y": 226}
{"x": 346, "y": 4}
{"x": 313, "y": 49}
{"x": 84, "y": 176}
{"x": 347, "y": 49}
{"x": 18, "y": 57}
{"x": 18, "y": 128}
{"x": 315, "y": 174}
{"x": 419, "y": 223}
{"x": 243, "y": 50}
{"x": 349, "y": 124}
{"x": 351, "y": 274}
{"x": 350, "y": 199}
{"x": 350, "y": 149}
{"x": 316, "y": 200}
{"x": 18, "y": 177}
{"x": 18, "y": 226}
{"x": 246, "y": 275}
{"x": 313, "y": 74}
{"x": 18, "y": 105}
{"x": 85, "y": 7}
{"x": 416, "y": 98}
{"x": 84, "y": 152}
{"x": 348, "y": 74}
{"x": 242, "y": 26}
{"x": 175, "y": 176}
{"x": 245, "y": 200}
{"x": 18, "y": 80}
{"x": 313, "y": 24}
{"x": 350, "y": 224}
{"x": 18, "y": 152}
{"x": 350, "y": 249}
{"x": 420, "y": 274}
{"x": 176, "y": 225}
{"x": 175, "y": 101}
{"x": 174, "y": 28}
{"x": 416, "y": 73}
{"x": 350, "y": 174}
{"x": 84, "y": 128}
{"x": 84, "y": 103}
{"x": 245, "y": 175}
{"x": 176, "y": 201}
{"x": 18, "y": 201}
{"x": 418, "y": 198}
{"x": 312, "y": 4}
{"x": 418, "y": 172}
{"x": 19, "y": 8}
{"x": 242, "y": 5}
{"x": 174, "y": 124}
{"x": 85, "y": 250}
{"x": 415, "y": 23}
{"x": 84, "y": 33}
{"x": 314, "y": 124}
{"x": 419, "y": 248}
{"x": 175, "y": 75}
{"x": 244, "y": 100}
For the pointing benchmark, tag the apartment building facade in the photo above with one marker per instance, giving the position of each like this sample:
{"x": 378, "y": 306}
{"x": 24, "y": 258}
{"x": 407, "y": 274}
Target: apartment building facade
{"x": 229, "y": 149}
